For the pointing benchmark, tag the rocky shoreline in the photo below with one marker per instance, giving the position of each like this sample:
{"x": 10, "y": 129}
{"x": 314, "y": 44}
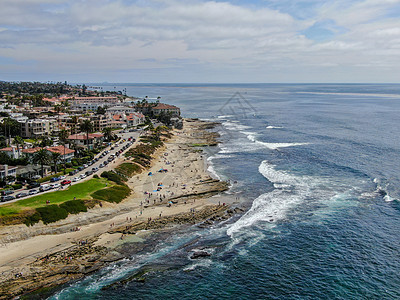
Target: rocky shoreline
{"x": 89, "y": 255}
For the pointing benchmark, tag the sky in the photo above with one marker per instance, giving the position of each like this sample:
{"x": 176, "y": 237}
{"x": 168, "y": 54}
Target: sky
{"x": 200, "y": 41}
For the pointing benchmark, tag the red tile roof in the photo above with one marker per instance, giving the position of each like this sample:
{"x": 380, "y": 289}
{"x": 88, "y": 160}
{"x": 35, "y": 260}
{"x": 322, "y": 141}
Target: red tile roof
{"x": 60, "y": 149}
{"x": 165, "y": 106}
{"x": 83, "y": 136}
{"x": 31, "y": 150}
{"x": 9, "y": 149}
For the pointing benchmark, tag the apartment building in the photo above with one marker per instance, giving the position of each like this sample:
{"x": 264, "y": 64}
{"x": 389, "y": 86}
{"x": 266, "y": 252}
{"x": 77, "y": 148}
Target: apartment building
{"x": 35, "y": 128}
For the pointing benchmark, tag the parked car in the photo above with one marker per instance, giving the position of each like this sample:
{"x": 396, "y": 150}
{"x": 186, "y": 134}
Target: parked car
{"x": 83, "y": 176}
{"x": 75, "y": 179}
{"x": 65, "y": 182}
{"x": 101, "y": 166}
{"x": 62, "y": 177}
{"x": 34, "y": 191}
{"x": 33, "y": 185}
{"x": 44, "y": 187}
{"x": 105, "y": 163}
{"x": 20, "y": 195}
{"x": 80, "y": 168}
{"x": 85, "y": 166}
{"x": 7, "y": 198}
{"x": 88, "y": 173}
{"x": 36, "y": 177}
{"x": 7, "y": 192}
{"x": 55, "y": 185}
{"x": 54, "y": 179}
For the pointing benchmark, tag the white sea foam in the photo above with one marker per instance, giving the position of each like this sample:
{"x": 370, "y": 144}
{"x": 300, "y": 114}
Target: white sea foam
{"x": 224, "y": 117}
{"x": 213, "y": 172}
{"x": 272, "y": 146}
{"x": 273, "y": 127}
{"x": 274, "y": 205}
{"x": 234, "y": 126}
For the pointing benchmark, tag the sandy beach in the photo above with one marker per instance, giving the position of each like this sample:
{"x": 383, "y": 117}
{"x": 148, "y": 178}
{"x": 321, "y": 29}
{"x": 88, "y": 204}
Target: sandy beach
{"x": 176, "y": 184}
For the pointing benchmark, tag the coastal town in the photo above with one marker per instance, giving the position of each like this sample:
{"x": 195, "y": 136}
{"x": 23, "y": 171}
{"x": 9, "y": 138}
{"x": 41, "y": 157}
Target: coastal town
{"x": 44, "y": 133}
{"x": 85, "y": 172}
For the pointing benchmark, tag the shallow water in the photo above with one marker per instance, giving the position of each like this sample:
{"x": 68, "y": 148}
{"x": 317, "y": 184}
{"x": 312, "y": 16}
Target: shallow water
{"x": 318, "y": 168}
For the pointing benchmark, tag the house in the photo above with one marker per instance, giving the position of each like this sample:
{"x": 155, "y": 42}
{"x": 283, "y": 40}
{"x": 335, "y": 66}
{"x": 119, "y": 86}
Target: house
{"x": 172, "y": 110}
{"x": 66, "y": 154}
{"x": 6, "y": 170}
{"x": 84, "y": 141}
{"x": 12, "y": 152}
{"x": 30, "y": 171}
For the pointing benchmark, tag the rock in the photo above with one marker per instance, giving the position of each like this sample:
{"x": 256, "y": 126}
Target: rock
{"x": 198, "y": 254}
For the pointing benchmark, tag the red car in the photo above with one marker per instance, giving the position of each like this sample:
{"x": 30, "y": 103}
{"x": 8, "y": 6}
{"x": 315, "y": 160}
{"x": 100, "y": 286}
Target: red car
{"x": 65, "y": 182}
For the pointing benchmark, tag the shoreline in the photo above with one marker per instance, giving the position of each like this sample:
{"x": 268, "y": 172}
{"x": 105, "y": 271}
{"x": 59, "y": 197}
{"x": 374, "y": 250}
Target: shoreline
{"x": 70, "y": 255}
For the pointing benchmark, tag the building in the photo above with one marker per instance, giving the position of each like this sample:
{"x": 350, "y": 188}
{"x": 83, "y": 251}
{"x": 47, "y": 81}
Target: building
{"x": 158, "y": 108}
{"x": 35, "y": 128}
{"x": 119, "y": 109}
{"x": 19, "y": 117}
{"x": 12, "y": 152}
{"x": 6, "y": 170}
{"x": 66, "y": 154}
{"x": 172, "y": 110}
{"x": 107, "y": 99}
{"x": 81, "y": 140}
{"x": 99, "y": 122}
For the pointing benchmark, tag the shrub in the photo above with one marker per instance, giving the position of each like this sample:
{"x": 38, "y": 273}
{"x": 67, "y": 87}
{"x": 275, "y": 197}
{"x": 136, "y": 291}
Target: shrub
{"x": 52, "y": 213}
{"x": 128, "y": 169}
{"x": 74, "y": 206}
{"x": 95, "y": 176}
{"x": 33, "y": 219}
{"x": 113, "y": 194}
{"x": 16, "y": 186}
{"x": 110, "y": 175}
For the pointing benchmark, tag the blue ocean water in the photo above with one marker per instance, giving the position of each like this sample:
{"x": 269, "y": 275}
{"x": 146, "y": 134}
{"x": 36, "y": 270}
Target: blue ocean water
{"x": 317, "y": 167}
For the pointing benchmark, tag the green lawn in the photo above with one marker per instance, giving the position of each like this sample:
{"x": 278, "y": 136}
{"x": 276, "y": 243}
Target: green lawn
{"x": 80, "y": 191}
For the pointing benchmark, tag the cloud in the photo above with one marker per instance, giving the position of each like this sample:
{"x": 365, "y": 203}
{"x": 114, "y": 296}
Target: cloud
{"x": 102, "y": 37}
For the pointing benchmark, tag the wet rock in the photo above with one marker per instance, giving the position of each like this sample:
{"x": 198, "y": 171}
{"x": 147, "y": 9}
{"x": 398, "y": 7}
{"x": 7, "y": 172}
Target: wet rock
{"x": 199, "y": 254}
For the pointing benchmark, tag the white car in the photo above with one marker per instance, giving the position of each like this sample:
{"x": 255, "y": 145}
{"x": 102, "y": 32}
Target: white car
{"x": 75, "y": 179}
{"x": 62, "y": 177}
{"x": 82, "y": 176}
{"x": 55, "y": 185}
{"x": 34, "y": 191}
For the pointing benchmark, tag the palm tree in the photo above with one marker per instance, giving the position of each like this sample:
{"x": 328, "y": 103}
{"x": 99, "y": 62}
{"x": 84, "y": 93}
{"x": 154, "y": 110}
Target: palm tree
{"x": 63, "y": 136}
{"x": 41, "y": 158}
{"x": 58, "y": 109}
{"x": 19, "y": 141}
{"x": 55, "y": 158}
{"x": 108, "y": 134}
{"x": 87, "y": 126}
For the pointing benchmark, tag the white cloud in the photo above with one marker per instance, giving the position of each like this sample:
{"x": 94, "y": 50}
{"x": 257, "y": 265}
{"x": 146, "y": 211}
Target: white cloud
{"x": 106, "y": 36}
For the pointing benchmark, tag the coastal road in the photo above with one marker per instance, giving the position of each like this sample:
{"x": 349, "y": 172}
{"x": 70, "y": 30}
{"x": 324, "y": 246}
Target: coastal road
{"x": 111, "y": 165}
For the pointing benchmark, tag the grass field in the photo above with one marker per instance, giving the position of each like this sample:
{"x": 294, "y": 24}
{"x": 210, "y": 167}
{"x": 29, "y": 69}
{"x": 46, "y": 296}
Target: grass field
{"x": 80, "y": 191}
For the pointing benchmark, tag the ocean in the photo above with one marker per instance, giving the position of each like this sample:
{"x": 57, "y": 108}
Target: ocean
{"x": 317, "y": 168}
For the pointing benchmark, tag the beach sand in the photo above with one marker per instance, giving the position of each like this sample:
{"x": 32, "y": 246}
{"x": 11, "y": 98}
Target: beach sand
{"x": 186, "y": 183}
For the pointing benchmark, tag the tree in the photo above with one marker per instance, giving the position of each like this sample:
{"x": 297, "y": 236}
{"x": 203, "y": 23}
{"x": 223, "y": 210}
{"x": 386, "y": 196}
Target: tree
{"x": 87, "y": 126}
{"x": 108, "y": 134}
{"x": 45, "y": 141}
{"x": 63, "y": 137}
{"x": 74, "y": 120}
{"x": 101, "y": 110}
{"x": 19, "y": 141}
{"x": 41, "y": 158}
{"x": 55, "y": 158}
{"x": 10, "y": 127}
